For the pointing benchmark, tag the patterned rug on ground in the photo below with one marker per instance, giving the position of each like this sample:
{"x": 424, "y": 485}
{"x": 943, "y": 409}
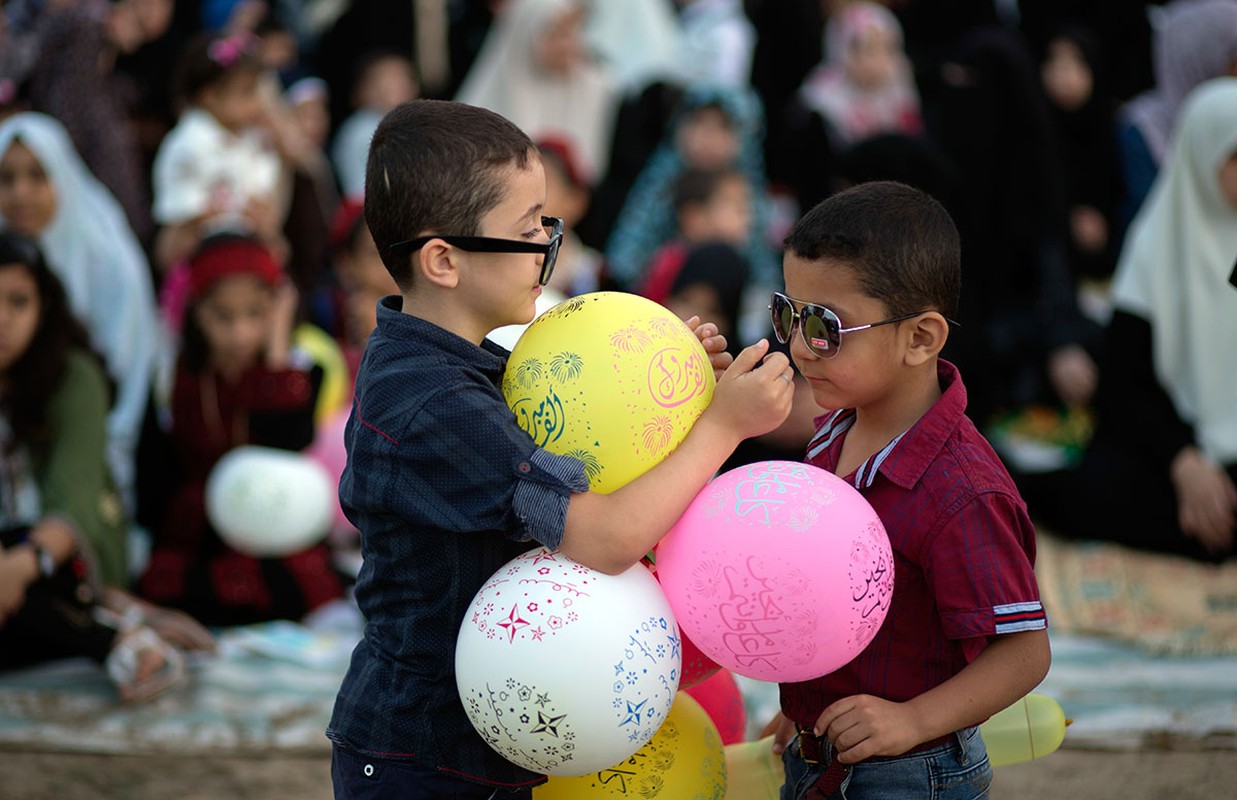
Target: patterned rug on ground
{"x": 1162, "y": 603}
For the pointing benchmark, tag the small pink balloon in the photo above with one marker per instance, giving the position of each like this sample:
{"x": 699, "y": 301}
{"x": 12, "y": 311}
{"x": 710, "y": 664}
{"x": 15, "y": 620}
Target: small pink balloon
{"x": 328, "y": 450}
{"x": 778, "y": 571}
{"x": 721, "y": 699}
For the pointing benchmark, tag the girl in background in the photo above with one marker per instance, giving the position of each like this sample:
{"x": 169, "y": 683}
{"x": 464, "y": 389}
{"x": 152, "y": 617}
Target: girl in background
{"x": 48, "y": 194}
{"x": 62, "y": 544}
{"x": 218, "y": 169}
{"x": 237, "y": 382}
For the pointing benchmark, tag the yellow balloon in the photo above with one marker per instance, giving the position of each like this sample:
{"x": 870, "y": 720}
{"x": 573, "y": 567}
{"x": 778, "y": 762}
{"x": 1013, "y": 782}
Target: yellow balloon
{"x": 753, "y": 772}
{"x": 324, "y": 352}
{"x": 610, "y": 378}
{"x": 684, "y": 760}
{"x": 1031, "y": 728}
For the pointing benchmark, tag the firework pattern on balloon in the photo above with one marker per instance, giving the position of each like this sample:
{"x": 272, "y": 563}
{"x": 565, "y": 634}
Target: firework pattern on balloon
{"x": 625, "y": 393}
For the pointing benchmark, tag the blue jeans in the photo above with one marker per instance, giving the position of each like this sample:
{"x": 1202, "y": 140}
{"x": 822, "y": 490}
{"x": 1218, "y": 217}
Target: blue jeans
{"x": 956, "y": 770}
{"x": 355, "y": 776}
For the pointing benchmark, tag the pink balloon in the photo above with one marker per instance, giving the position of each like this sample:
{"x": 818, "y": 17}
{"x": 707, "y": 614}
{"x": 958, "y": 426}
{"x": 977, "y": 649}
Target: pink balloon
{"x": 328, "y": 450}
{"x": 721, "y": 699}
{"x": 779, "y": 571}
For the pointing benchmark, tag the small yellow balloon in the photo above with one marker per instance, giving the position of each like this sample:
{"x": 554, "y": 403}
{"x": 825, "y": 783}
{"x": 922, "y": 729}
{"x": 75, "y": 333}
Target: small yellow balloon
{"x": 753, "y": 772}
{"x": 1031, "y": 728}
{"x": 684, "y": 760}
{"x": 612, "y": 379}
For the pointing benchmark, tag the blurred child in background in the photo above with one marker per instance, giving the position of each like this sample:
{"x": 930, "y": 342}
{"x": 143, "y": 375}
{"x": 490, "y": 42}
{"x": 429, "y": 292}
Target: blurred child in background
{"x": 63, "y": 555}
{"x": 384, "y": 79}
{"x": 709, "y": 206}
{"x": 48, "y": 194}
{"x": 218, "y": 168}
{"x": 237, "y": 382}
{"x": 579, "y": 268}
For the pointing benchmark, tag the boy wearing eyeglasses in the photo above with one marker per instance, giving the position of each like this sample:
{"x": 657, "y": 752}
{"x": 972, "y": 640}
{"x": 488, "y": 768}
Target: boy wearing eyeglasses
{"x": 872, "y": 277}
{"x": 442, "y": 483}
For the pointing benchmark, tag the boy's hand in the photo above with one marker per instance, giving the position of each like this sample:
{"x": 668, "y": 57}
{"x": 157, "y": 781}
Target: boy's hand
{"x": 753, "y": 396}
{"x": 862, "y": 726}
{"x": 714, "y": 344}
{"x": 781, "y": 729}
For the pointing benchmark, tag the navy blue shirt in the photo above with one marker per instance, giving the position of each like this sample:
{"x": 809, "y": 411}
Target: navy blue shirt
{"x": 445, "y": 488}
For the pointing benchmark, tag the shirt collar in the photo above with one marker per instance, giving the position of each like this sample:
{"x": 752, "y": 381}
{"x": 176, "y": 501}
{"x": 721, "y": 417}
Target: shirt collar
{"x": 906, "y": 458}
{"x": 425, "y": 336}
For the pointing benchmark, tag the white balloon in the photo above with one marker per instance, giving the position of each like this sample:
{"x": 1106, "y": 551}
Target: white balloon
{"x": 565, "y": 670}
{"x": 269, "y": 503}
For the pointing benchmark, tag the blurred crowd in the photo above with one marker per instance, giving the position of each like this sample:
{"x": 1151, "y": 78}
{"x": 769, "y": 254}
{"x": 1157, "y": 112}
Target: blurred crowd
{"x": 185, "y": 267}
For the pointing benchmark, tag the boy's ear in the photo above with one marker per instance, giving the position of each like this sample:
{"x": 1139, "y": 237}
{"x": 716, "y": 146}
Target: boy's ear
{"x": 435, "y": 262}
{"x": 927, "y": 337}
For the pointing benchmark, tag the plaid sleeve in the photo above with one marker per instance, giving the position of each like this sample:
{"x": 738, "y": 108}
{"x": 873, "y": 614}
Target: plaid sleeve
{"x": 981, "y": 570}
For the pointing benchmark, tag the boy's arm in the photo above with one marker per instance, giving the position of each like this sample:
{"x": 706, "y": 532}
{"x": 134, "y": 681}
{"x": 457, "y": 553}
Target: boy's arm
{"x": 610, "y": 532}
{"x": 1010, "y": 666}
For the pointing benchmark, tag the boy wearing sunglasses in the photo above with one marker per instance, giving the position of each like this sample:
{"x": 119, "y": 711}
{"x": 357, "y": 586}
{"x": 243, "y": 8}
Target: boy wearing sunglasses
{"x": 872, "y": 276}
{"x": 442, "y": 483}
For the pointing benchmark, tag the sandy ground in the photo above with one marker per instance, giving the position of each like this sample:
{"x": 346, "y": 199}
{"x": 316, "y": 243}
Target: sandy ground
{"x": 1065, "y": 774}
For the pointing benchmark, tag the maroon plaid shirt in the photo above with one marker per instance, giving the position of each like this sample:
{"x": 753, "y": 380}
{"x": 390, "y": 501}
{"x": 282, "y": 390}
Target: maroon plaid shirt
{"x": 963, "y": 550}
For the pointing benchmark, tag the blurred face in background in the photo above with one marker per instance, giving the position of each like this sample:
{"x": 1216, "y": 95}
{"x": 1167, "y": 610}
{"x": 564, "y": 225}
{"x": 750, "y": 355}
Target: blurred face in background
{"x": 387, "y": 83}
{"x": 235, "y": 316}
{"x": 235, "y": 101}
{"x": 560, "y": 47}
{"x": 706, "y": 139}
{"x": 19, "y": 313}
{"x": 1228, "y": 180}
{"x": 1066, "y": 75}
{"x": 872, "y": 62}
{"x": 27, "y": 197}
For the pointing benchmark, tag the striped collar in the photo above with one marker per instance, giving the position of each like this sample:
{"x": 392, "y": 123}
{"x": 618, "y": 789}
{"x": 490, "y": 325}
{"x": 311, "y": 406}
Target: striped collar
{"x": 909, "y": 454}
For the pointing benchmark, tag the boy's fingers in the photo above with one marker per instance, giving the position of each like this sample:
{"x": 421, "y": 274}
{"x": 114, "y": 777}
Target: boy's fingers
{"x": 751, "y": 354}
{"x": 775, "y": 364}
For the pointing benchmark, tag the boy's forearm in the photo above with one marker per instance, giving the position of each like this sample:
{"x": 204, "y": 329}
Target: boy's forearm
{"x": 610, "y": 532}
{"x": 1008, "y": 668}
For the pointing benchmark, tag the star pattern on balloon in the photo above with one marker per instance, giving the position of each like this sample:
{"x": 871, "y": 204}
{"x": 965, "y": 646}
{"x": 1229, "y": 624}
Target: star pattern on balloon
{"x": 513, "y": 622}
{"x": 547, "y": 724}
{"x": 634, "y": 710}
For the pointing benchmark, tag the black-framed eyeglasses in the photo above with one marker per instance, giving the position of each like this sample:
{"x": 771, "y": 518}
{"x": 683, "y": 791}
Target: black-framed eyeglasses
{"x": 819, "y": 326}
{"x": 486, "y": 244}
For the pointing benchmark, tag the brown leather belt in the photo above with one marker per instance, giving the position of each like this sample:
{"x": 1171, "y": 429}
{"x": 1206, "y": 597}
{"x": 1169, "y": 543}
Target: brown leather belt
{"x": 812, "y": 749}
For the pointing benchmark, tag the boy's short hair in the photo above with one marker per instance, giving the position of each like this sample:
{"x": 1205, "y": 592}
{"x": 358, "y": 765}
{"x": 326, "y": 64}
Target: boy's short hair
{"x": 696, "y": 187}
{"x": 901, "y": 243}
{"x": 434, "y": 166}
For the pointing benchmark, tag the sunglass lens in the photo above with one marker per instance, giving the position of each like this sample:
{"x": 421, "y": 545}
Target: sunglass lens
{"x": 821, "y": 335}
{"x": 783, "y": 318}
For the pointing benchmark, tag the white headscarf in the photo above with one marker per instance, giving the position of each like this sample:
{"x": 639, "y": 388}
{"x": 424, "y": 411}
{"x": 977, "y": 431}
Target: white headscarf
{"x": 92, "y": 249}
{"x": 639, "y": 41}
{"x": 853, "y": 112}
{"x": 506, "y": 79}
{"x": 1175, "y": 265}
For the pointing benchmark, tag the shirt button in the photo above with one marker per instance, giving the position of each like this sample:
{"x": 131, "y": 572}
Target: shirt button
{"x": 524, "y": 467}
{"x": 369, "y": 770}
